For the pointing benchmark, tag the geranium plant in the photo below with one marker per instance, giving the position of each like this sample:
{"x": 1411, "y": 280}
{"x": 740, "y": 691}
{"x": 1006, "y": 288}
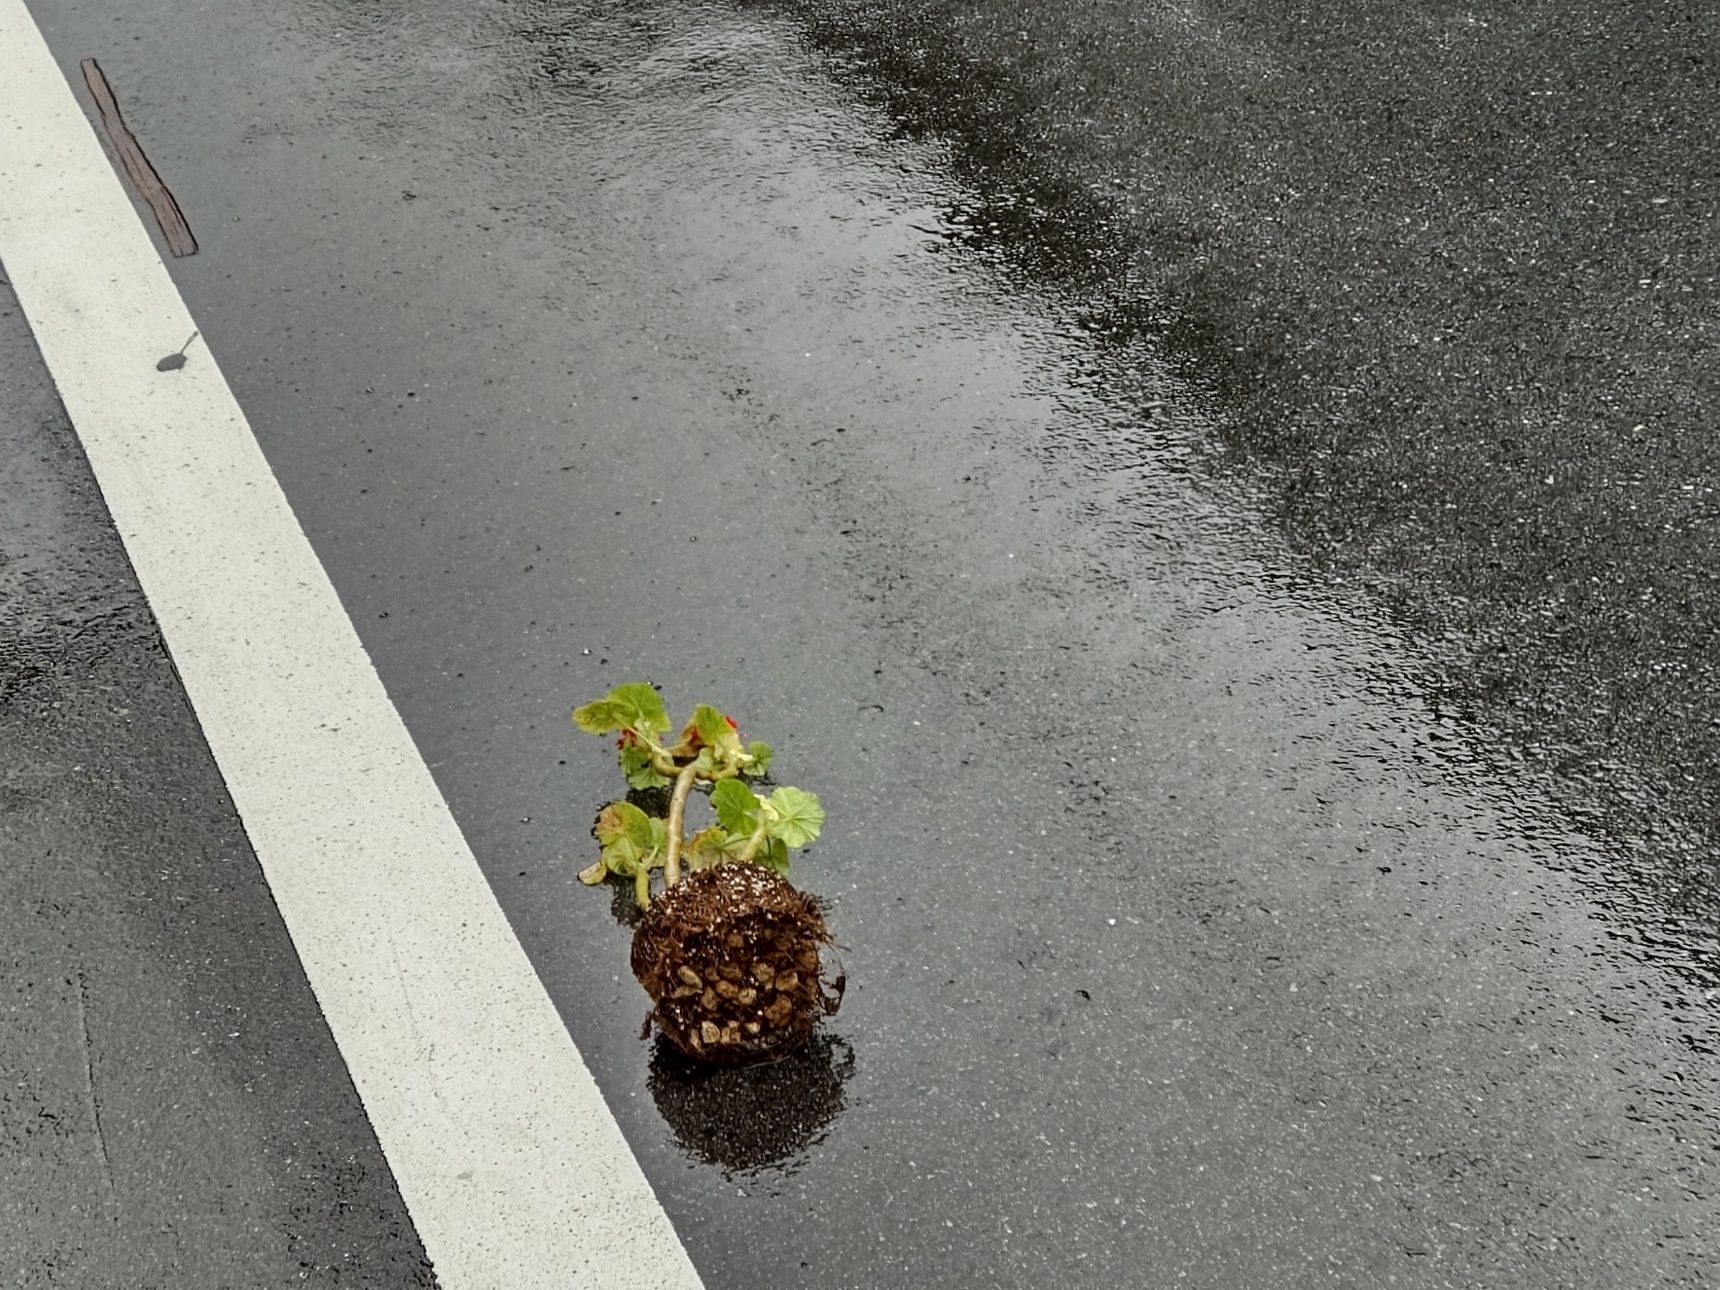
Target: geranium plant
{"x": 728, "y": 950}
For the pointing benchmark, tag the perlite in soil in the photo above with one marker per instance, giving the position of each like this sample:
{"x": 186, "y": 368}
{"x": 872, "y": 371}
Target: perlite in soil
{"x": 728, "y": 950}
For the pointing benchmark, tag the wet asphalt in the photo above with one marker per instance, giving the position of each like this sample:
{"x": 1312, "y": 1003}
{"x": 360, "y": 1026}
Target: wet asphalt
{"x": 1450, "y": 278}
{"x": 173, "y": 1111}
{"x": 1194, "y": 934}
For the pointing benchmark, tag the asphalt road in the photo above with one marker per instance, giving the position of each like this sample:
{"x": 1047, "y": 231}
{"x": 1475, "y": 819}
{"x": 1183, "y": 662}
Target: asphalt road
{"x": 1193, "y": 938}
{"x": 173, "y": 1111}
{"x": 1450, "y": 277}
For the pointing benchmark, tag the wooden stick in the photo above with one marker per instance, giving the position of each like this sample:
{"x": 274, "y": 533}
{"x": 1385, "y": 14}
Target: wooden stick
{"x": 143, "y": 178}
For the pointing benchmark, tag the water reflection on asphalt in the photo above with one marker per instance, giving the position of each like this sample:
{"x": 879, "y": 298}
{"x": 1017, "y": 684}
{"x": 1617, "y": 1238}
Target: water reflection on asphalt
{"x": 1187, "y": 931}
{"x": 752, "y": 1119}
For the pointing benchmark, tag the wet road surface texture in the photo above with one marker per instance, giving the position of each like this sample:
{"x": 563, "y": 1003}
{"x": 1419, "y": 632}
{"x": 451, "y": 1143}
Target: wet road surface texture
{"x": 173, "y": 1111}
{"x": 1193, "y": 936}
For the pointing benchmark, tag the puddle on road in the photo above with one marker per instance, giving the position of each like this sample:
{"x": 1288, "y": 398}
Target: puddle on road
{"x": 1171, "y": 838}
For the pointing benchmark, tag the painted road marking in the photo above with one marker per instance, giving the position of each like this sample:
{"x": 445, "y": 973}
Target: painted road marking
{"x": 512, "y": 1167}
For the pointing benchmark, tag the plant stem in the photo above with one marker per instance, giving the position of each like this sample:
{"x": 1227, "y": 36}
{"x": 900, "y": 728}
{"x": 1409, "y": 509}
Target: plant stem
{"x": 677, "y": 816}
{"x": 753, "y": 844}
{"x": 642, "y": 888}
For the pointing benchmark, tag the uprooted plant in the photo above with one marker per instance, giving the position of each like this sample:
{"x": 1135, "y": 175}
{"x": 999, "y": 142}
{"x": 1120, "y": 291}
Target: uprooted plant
{"x": 729, "y": 949}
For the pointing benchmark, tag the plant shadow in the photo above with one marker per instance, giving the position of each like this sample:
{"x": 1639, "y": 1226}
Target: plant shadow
{"x": 745, "y": 1120}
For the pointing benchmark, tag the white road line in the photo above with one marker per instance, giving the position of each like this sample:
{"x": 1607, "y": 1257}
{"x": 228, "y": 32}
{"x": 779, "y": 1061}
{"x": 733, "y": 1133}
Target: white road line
{"x": 510, "y": 1163}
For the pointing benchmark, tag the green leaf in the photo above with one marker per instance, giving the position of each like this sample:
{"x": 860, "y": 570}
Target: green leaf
{"x": 707, "y": 847}
{"x": 630, "y": 838}
{"x": 736, "y": 806}
{"x": 708, "y": 724}
{"x": 600, "y": 716}
{"x": 625, "y": 866}
{"x": 713, "y": 727}
{"x": 761, "y": 756}
{"x": 636, "y": 765}
{"x": 649, "y": 718}
{"x": 634, "y": 705}
{"x": 796, "y": 816}
{"x": 709, "y": 732}
{"x": 774, "y": 856}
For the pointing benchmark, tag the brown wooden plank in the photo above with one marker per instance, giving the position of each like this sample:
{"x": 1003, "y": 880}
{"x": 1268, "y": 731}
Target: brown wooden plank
{"x": 138, "y": 169}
